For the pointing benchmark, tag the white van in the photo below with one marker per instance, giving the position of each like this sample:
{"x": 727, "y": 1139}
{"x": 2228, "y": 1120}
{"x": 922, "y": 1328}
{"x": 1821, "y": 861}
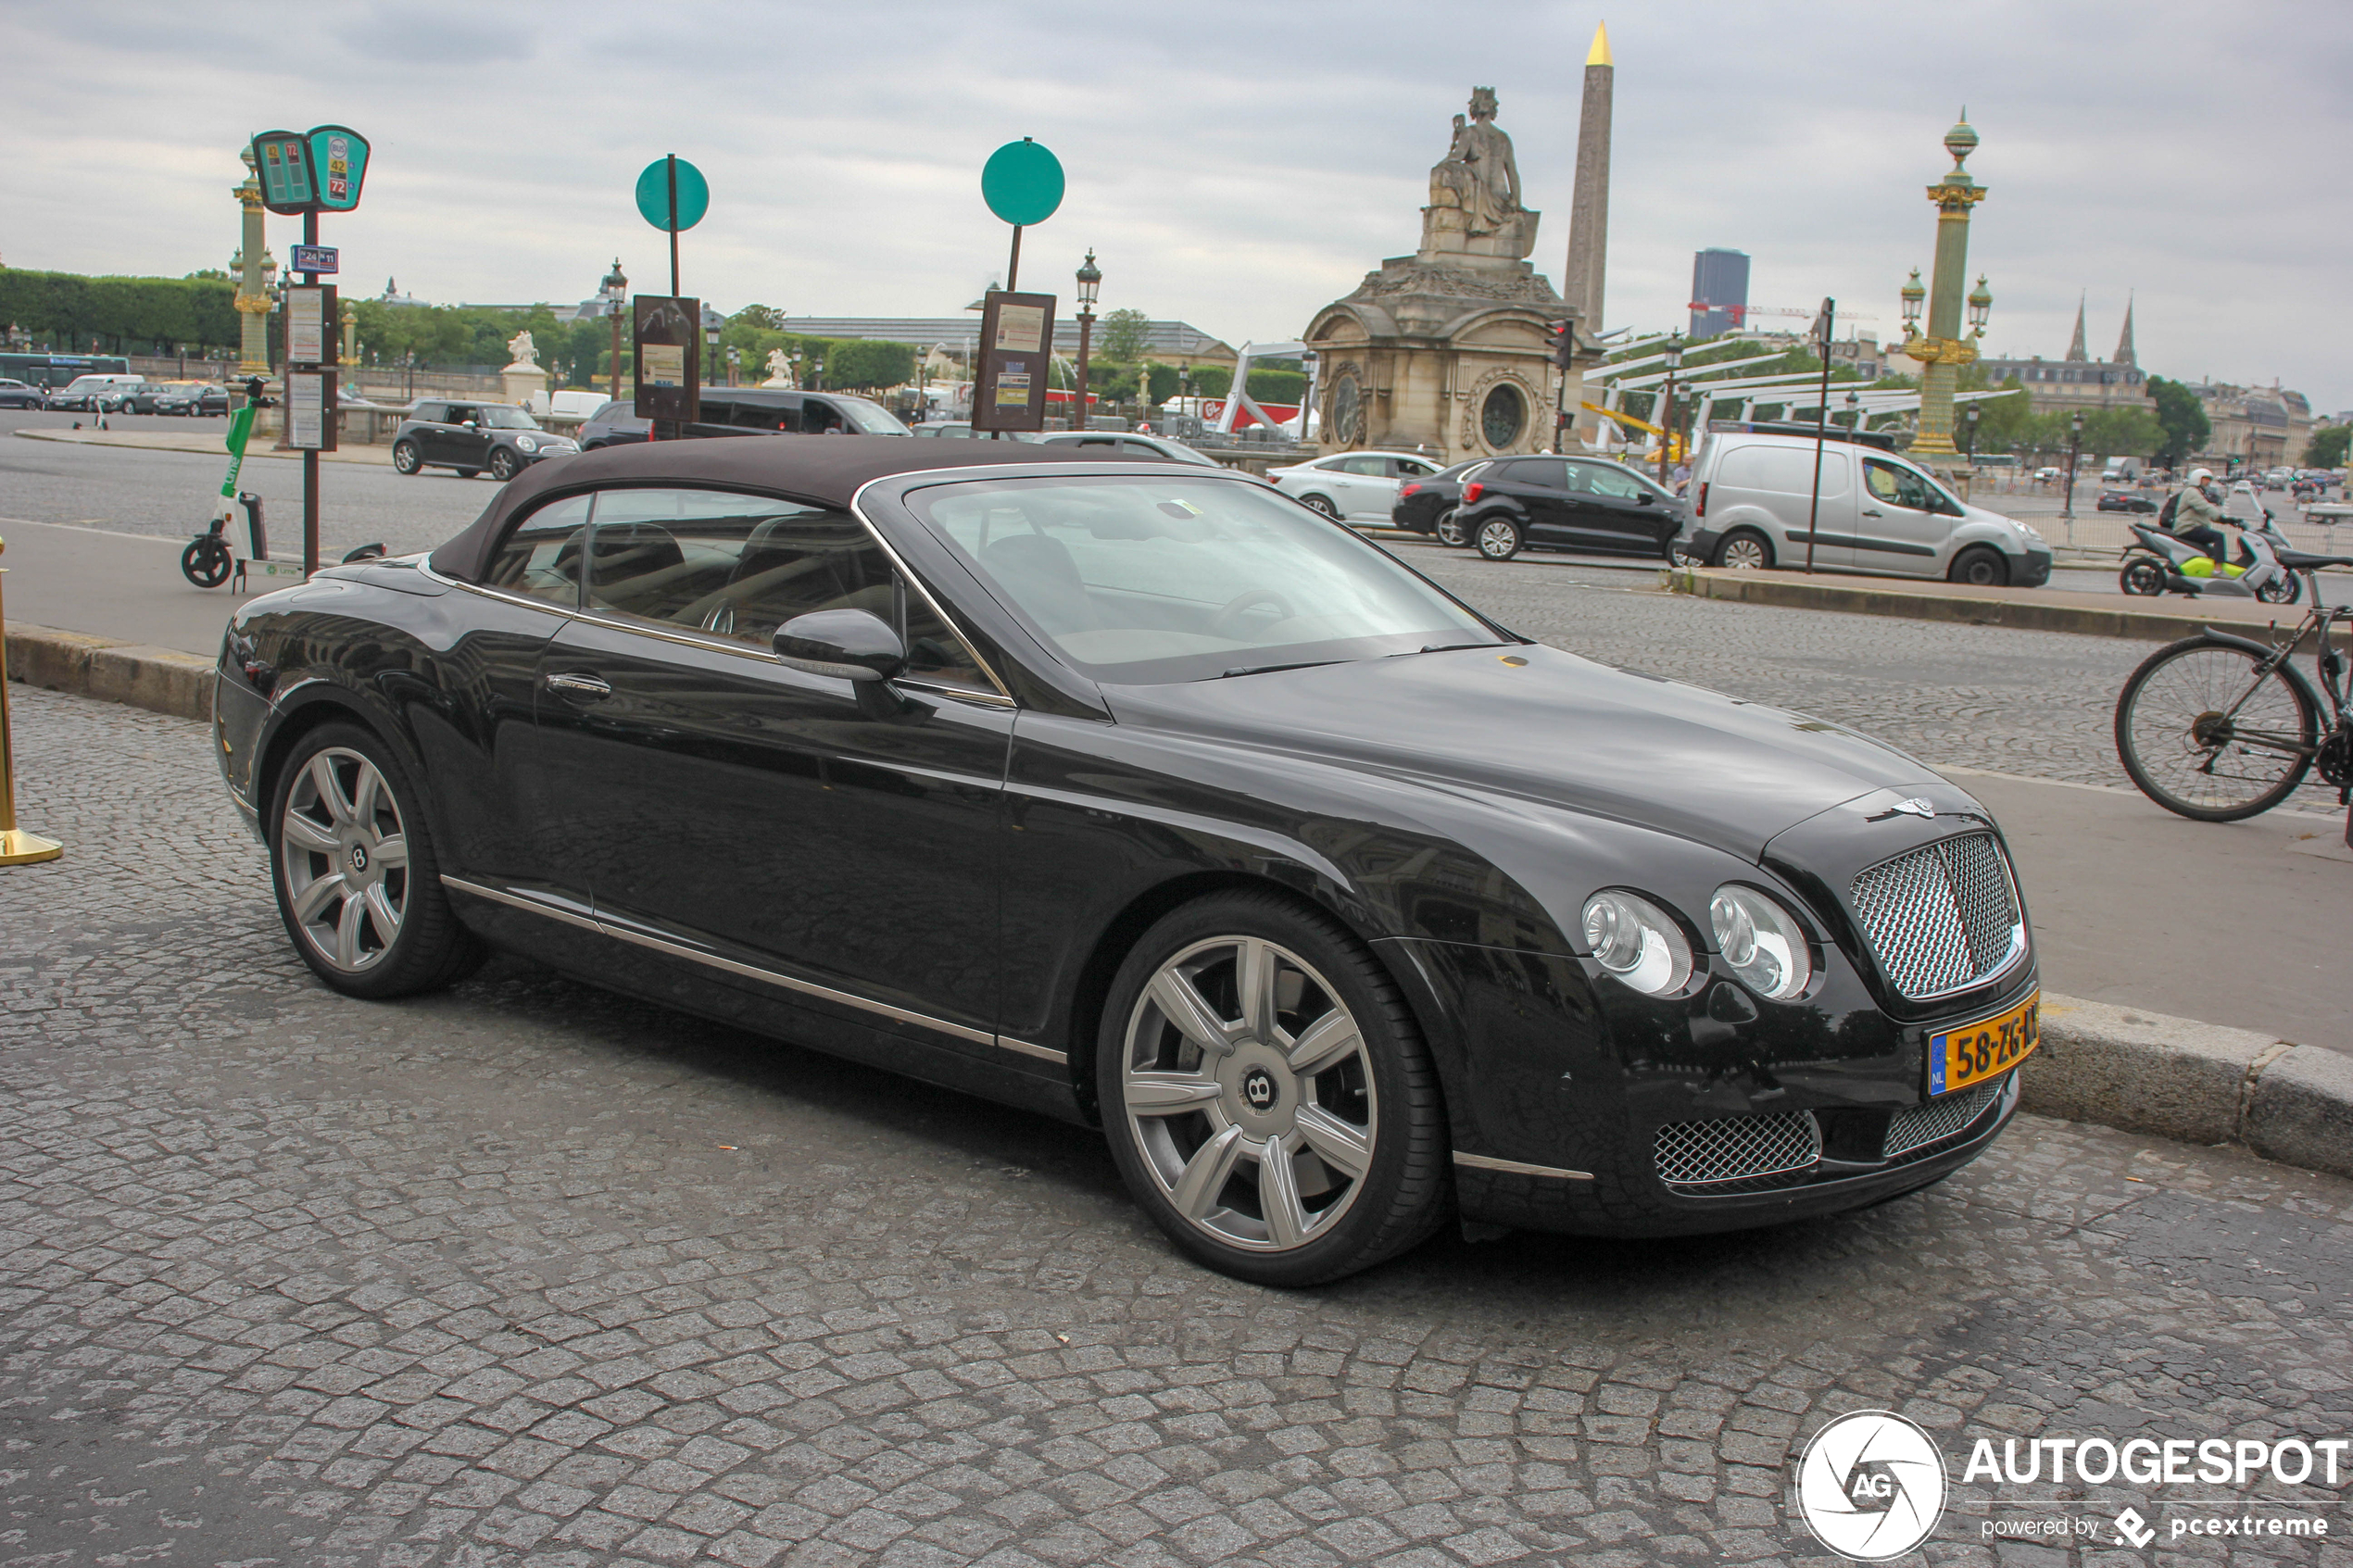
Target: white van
{"x": 1879, "y": 513}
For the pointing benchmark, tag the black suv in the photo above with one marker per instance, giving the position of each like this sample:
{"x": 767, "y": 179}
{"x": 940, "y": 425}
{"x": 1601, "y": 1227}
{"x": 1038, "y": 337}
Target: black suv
{"x": 1582, "y": 504}
{"x": 471, "y": 437}
{"x": 748, "y": 411}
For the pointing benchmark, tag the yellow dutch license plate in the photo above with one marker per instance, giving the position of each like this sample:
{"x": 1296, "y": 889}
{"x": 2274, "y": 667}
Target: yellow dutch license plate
{"x": 1986, "y": 1049}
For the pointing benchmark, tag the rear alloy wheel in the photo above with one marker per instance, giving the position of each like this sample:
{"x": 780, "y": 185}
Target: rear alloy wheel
{"x": 1323, "y": 504}
{"x": 357, "y": 880}
{"x": 1744, "y": 550}
{"x": 2141, "y": 577}
{"x": 406, "y": 458}
{"x": 1449, "y": 528}
{"x": 1498, "y": 538}
{"x": 503, "y": 466}
{"x": 2282, "y": 590}
{"x": 1267, "y": 1096}
{"x": 1980, "y": 566}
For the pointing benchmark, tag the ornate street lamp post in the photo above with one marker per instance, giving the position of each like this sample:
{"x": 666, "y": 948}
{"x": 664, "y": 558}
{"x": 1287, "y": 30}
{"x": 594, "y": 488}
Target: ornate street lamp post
{"x": 734, "y": 357}
{"x": 1968, "y": 434}
{"x": 1665, "y": 421}
{"x": 1090, "y": 279}
{"x": 1944, "y": 350}
{"x": 615, "y": 288}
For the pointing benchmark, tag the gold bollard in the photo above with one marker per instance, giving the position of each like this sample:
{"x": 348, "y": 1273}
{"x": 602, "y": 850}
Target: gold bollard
{"x": 16, "y": 848}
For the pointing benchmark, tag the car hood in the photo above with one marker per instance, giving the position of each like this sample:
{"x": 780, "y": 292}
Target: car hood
{"x": 1558, "y": 730}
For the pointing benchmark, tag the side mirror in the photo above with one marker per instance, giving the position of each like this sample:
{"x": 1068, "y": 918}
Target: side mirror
{"x": 849, "y": 645}
{"x": 1643, "y": 498}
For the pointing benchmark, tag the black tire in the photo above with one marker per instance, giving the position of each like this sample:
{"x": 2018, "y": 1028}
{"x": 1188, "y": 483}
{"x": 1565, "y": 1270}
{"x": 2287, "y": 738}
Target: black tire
{"x": 1448, "y": 530}
{"x": 1744, "y": 550}
{"x": 1980, "y": 566}
{"x": 1321, "y": 504}
{"x": 1497, "y": 538}
{"x": 1380, "y": 1084}
{"x": 503, "y": 466}
{"x": 2285, "y": 591}
{"x": 2171, "y": 732}
{"x": 2141, "y": 577}
{"x": 428, "y": 947}
{"x": 205, "y": 561}
{"x": 406, "y": 458}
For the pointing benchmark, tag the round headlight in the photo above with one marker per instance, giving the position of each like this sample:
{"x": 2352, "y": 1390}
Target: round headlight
{"x": 1761, "y": 941}
{"x": 1637, "y": 941}
{"x": 526, "y": 444}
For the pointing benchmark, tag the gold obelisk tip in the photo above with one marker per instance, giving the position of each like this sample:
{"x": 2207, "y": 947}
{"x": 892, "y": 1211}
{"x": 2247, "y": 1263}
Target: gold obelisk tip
{"x": 1599, "y": 53}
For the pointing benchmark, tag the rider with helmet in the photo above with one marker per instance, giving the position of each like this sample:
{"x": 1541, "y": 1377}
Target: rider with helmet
{"x": 2193, "y": 514}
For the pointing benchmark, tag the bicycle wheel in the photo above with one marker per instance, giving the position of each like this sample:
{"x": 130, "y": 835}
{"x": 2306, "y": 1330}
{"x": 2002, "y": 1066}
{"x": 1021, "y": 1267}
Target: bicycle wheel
{"x": 2201, "y": 737}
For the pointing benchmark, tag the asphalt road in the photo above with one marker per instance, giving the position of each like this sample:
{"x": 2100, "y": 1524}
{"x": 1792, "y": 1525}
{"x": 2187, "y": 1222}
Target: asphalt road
{"x": 525, "y": 1274}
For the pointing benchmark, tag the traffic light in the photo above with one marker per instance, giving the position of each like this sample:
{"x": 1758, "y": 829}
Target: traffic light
{"x": 1562, "y": 338}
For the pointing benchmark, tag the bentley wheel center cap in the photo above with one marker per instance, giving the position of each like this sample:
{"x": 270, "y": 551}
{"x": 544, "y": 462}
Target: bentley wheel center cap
{"x": 360, "y": 858}
{"x": 1258, "y": 1088}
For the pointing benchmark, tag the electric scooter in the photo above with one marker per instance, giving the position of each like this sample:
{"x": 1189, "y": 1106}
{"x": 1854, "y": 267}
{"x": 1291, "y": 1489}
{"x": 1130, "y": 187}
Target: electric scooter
{"x": 207, "y": 561}
{"x": 2159, "y": 562}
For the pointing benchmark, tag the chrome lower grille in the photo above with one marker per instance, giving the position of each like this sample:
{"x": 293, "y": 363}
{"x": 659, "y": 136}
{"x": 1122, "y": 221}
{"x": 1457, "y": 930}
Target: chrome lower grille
{"x": 1939, "y": 1118}
{"x": 1733, "y": 1149}
{"x": 1943, "y": 917}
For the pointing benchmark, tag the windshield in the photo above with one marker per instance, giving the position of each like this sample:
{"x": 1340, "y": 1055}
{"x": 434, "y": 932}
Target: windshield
{"x": 871, "y": 417}
{"x": 88, "y": 383}
{"x": 508, "y": 419}
{"x": 1150, "y": 580}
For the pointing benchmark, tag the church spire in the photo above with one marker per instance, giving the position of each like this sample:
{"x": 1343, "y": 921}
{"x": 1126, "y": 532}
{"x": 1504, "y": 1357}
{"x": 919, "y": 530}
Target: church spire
{"x": 2124, "y": 355}
{"x": 2075, "y": 350}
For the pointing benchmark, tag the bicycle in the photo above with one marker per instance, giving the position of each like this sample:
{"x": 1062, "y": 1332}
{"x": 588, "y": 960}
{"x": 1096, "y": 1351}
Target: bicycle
{"x": 2219, "y": 727}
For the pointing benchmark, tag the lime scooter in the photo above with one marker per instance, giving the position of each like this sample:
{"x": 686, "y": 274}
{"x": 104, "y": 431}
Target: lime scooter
{"x": 207, "y": 561}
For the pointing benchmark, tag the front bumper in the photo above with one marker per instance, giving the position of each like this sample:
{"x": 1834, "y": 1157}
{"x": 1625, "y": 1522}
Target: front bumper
{"x": 2033, "y": 569}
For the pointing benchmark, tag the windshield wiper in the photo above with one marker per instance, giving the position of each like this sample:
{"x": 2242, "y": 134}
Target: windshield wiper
{"x": 1270, "y": 668}
{"x": 1445, "y": 647}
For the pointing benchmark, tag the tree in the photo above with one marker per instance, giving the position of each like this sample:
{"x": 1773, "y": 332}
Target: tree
{"x": 2181, "y": 415}
{"x": 1125, "y": 332}
{"x": 2109, "y": 432}
{"x": 2001, "y": 421}
{"x": 862, "y": 364}
{"x": 2327, "y": 447}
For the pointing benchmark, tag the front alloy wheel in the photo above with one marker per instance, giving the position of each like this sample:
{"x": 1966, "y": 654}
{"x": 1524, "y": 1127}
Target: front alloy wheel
{"x": 503, "y": 466}
{"x": 1266, "y": 1097}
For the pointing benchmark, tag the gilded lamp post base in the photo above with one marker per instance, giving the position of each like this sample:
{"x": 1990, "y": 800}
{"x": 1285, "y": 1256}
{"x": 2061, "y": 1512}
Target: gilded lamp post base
{"x": 20, "y": 849}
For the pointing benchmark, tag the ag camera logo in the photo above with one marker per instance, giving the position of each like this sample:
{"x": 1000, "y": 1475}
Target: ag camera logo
{"x": 1872, "y": 1486}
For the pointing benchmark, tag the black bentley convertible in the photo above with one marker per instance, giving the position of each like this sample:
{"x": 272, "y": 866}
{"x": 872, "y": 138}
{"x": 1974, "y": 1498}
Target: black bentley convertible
{"x": 1144, "y": 797}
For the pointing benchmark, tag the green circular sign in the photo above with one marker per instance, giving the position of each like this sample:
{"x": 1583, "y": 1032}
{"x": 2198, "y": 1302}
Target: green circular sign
{"x": 653, "y": 194}
{"x": 1022, "y": 183}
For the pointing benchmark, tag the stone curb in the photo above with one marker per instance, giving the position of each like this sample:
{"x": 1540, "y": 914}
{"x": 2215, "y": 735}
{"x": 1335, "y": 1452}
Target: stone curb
{"x": 160, "y": 679}
{"x": 2121, "y": 1067}
{"x": 2200, "y": 1083}
{"x": 2032, "y": 615}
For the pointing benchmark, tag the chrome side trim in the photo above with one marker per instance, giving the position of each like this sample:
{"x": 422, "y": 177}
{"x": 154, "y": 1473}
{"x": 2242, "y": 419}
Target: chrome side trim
{"x": 516, "y": 901}
{"x": 1516, "y": 1167}
{"x": 753, "y": 972}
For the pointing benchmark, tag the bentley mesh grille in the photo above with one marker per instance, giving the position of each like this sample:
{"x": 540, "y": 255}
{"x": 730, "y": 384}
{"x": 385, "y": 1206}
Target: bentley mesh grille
{"x": 1942, "y": 917}
{"x": 1939, "y": 1118}
{"x": 1732, "y": 1149}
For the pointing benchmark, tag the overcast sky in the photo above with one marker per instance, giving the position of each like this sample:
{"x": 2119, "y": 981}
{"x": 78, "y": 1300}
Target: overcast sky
{"x": 1234, "y": 165}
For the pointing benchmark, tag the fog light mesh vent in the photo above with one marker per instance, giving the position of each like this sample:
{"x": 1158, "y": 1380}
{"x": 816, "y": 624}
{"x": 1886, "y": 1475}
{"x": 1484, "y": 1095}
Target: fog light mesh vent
{"x": 1940, "y": 1118}
{"x": 1733, "y": 1149}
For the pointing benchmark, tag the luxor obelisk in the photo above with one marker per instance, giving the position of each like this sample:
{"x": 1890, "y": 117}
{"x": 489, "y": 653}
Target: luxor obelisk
{"x": 1588, "y": 204}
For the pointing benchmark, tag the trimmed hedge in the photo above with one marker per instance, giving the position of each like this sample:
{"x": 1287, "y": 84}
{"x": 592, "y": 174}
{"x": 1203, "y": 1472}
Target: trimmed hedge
{"x": 66, "y": 310}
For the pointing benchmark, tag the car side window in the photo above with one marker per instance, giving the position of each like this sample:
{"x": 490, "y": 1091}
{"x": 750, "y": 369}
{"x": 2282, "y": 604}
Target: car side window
{"x": 1603, "y": 481}
{"x": 541, "y": 559}
{"x": 740, "y": 566}
{"x": 1369, "y": 467}
{"x": 458, "y": 414}
{"x": 1900, "y": 486}
{"x": 1550, "y": 473}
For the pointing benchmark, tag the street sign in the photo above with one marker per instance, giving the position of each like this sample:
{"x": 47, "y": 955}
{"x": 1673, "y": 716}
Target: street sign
{"x": 1022, "y": 183}
{"x": 315, "y": 259}
{"x": 653, "y": 194}
{"x": 317, "y": 170}
{"x": 311, "y": 410}
{"x": 1017, "y": 345}
{"x": 666, "y": 336}
{"x": 339, "y": 158}
{"x": 311, "y": 324}
{"x": 282, "y": 160}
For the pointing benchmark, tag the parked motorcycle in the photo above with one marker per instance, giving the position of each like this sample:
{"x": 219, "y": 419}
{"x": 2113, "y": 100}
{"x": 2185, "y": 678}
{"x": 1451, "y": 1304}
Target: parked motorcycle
{"x": 2159, "y": 562}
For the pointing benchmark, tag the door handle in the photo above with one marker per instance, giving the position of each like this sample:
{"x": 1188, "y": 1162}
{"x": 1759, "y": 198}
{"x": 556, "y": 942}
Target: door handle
{"x": 590, "y": 688}
{"x": 1869, "y": 511}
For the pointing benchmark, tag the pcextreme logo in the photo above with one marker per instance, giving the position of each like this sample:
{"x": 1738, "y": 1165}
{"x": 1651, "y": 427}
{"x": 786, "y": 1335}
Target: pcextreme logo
{"x": 1870, "y": 1485}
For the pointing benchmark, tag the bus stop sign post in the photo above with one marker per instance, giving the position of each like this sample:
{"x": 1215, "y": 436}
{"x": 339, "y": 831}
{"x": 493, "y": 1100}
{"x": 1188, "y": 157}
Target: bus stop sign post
{"x": 310, "y": 172}
{"x": 1022, "y": 183}
{"x": 672, "y": 195}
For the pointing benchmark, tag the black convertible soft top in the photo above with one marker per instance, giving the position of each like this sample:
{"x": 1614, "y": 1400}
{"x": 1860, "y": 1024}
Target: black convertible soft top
{"x": 828, "y": 470}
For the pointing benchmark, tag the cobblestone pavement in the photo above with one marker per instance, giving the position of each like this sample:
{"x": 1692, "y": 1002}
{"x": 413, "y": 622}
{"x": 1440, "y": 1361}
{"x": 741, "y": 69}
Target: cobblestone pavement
{"x": 2039, "y": 703}
{"x": 525, "y": 1274}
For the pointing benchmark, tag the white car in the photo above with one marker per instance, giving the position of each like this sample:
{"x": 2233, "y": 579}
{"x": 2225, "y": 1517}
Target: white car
{"x": 1353, "y": 486}
{"x": 1118, "y": 444}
